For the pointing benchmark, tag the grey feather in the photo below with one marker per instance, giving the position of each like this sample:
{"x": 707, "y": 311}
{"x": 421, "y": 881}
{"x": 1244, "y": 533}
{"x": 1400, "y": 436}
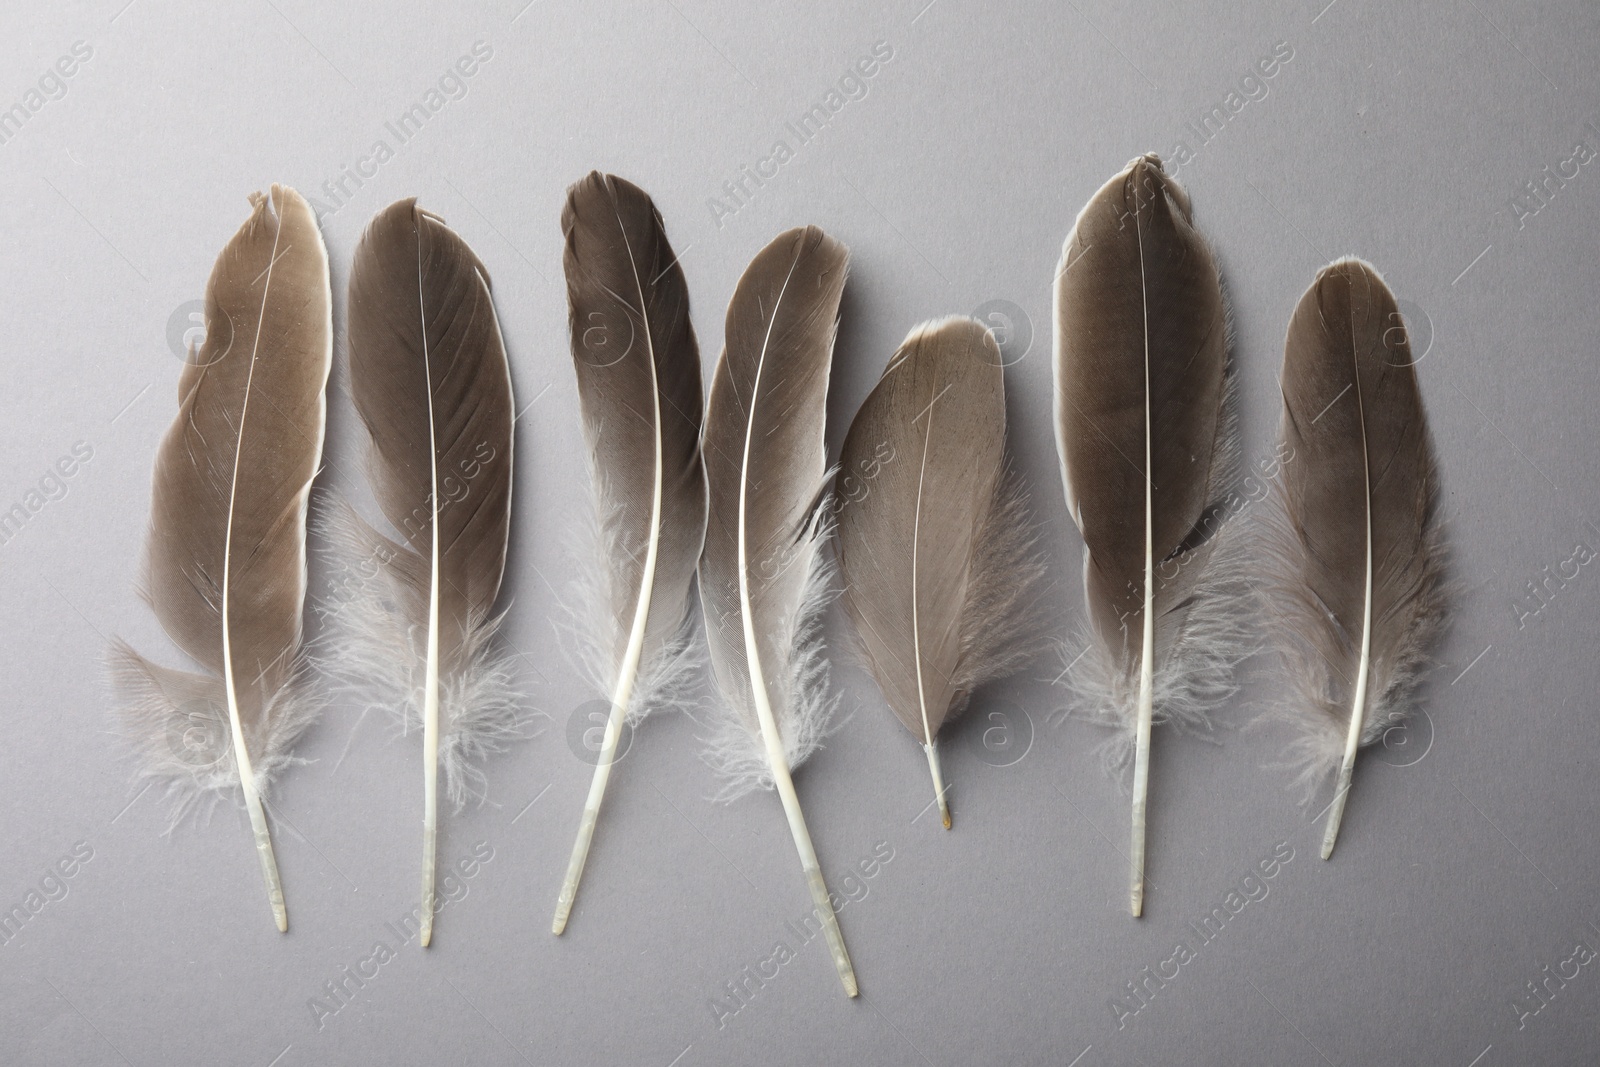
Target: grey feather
{"x": 1355, "y": 444}
{"x": 936, "y": 549}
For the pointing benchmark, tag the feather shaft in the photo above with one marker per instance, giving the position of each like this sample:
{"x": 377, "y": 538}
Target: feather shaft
{"x": 622, "y": 696}
{"x": 430, "y": 683}
{"x": 1141, "y": 737}
{"x": 241, "y": 751}
{"x": 1347, "y": 764}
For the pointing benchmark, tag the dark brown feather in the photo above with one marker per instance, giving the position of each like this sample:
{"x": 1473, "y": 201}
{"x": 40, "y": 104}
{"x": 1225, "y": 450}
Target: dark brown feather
{"x": 429, "y": 378}
{"x": 638, "y": 369}
{"x": 1138, "y": 280}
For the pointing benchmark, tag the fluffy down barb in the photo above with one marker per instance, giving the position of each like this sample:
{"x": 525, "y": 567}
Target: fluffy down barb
{"x": 374, "y": 651}
{"x": 178, "y": 722}
{"x": 733, "y": 745}
{"x": 593, "y": 633}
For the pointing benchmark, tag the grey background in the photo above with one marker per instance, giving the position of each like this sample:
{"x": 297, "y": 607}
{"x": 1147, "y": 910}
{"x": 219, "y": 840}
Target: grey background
{"x": 1467, "y": 861}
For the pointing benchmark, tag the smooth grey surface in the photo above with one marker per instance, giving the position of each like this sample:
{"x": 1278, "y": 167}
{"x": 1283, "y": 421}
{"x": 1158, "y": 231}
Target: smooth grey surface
{"x": 1468, "y": 862}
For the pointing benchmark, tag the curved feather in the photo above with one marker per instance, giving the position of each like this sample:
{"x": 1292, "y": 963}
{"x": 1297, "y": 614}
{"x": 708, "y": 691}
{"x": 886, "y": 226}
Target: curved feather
{"x": 935, "y": 548}
{"x": 765, "y": 471}
{"x": 638, "y": 369}
{"x": 763, "y": 574}
{"x": 1146, "y": 446}
{"x": 1356, "y": 587}
{"x": 429, "y": 377}
{"x": 227, "y": 551}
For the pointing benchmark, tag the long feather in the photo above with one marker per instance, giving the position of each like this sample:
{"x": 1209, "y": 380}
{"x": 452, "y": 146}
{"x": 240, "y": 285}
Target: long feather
{"x": 429, "y": 377}
{"x": 1141, "y": 369}
{"x": 1356, "y": 570}
{"x": 764, "y": 575}
{"x": 227, "y": 552}
{"x": 935, "y": 546}
{"x": 639, "y": 383}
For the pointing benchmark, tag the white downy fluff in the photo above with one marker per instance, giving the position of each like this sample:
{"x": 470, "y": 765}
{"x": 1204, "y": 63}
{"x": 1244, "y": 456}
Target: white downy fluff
{"x": 802, "y": 705}
{"x": 591, "y": 632}
{"x": 374, "y": 652}
{"x": 178, "y": 723}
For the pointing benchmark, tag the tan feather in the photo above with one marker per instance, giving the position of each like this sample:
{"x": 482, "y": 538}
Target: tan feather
{"x": 227, "y": 551}
{"x": 935, "y": 544}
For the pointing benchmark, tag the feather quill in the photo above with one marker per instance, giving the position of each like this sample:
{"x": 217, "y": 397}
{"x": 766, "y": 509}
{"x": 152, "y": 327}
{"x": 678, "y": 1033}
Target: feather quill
{"x": 226, "y": 567}
{"x": 430, "y": 380}
{"x": 638, "y": 369}
{"x": 1355, "y": 571}
{"x": 764, "y": 574}
{"x": 1141, "y": 380}
{"x": 935, "y": 547}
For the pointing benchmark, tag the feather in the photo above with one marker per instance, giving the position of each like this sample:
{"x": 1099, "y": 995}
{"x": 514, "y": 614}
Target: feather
{"x": 764, "y": 574}
{"x": 1355, "y": 574}
{"x": 429, "y": 378}
{"x": 935, "y": 547}
{"x": 638, "y": 368}
{"x": 226, "y": 566}
{"x": 1142, "y": 425}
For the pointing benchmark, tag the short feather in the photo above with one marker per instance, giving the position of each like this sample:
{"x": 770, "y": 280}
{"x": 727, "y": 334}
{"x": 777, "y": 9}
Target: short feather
{"x": 936, "y": 547}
